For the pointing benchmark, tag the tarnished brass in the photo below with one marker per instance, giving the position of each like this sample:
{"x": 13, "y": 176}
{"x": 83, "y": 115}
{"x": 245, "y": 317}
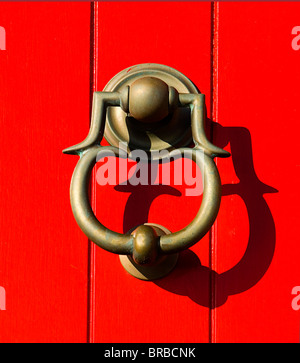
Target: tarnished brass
{"x": 149, "y": 99}
{"x": 158, "y": 265}
{"x": 172, "y": 131}
{"x": 150, "y": 251}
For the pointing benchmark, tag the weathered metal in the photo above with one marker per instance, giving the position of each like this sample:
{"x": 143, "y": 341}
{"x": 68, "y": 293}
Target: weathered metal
{"x": 172, "y": 101}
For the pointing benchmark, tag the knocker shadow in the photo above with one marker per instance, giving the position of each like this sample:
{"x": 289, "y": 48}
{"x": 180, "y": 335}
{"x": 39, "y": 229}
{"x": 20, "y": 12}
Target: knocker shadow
{"x": 140, "y": 200}
{"x": 190, "y": 278}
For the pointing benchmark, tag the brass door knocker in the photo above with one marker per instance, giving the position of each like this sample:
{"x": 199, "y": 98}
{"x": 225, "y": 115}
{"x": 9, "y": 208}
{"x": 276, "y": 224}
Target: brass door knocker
{"x": 150, "y": 107}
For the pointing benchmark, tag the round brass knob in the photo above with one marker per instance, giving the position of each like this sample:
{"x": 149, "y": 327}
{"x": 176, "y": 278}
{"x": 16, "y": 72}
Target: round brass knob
{"x": 145, "y": 245}
{"x": 149, "y": 99}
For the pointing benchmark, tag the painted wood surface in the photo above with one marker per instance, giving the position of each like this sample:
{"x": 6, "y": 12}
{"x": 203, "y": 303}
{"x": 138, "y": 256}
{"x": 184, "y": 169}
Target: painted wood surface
{"x": 176, "y": 308}
{"x": 236, "y": 284}
{"x": 45, "y": 105}
{"x": 256, "y": 244}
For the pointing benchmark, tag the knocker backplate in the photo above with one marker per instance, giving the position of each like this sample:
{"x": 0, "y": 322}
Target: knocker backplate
{"x": 174, "y": 131}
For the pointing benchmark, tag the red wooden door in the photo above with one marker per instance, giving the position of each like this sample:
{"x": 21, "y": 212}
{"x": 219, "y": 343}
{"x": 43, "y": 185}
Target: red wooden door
{"x": 45, "y": 87}
{"x": 238, "y": 284}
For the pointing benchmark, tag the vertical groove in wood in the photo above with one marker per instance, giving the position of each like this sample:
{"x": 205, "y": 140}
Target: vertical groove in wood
{"x": 214, "y": 118}
{"x": 92, "y": 252}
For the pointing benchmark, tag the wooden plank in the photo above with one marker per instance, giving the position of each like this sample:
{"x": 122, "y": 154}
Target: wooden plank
{"x": 174, "y": 309}
{"x": 256, "y": 245}
{"x": 44, "y": 103}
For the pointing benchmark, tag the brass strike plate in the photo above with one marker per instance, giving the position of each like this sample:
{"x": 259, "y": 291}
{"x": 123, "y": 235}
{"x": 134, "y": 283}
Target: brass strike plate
{"x": 173, "y": 131}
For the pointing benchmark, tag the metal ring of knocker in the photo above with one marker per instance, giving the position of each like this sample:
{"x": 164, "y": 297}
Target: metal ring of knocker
{"x": 140, "y": 107}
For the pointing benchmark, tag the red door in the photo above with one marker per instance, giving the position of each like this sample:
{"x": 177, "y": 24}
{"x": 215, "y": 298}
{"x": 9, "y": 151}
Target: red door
{"x": 240, "y": 283}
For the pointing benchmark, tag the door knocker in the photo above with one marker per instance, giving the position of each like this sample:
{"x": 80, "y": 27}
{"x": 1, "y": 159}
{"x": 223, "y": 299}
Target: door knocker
{"x": 150, "y": 107}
